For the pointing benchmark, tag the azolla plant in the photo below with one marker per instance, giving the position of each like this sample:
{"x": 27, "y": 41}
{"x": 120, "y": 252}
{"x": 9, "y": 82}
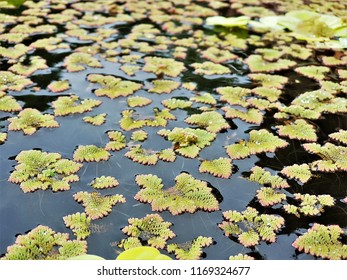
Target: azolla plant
{"x": 204, "y": 129}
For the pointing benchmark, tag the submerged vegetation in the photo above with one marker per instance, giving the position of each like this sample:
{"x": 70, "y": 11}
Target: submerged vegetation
{"x": 154, "y": 115}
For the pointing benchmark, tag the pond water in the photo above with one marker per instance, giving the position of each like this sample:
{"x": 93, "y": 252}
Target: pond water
{"x": 21, "y": 212}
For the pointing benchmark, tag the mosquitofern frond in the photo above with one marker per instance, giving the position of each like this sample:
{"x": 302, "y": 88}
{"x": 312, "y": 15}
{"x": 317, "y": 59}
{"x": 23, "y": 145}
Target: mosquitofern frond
{"x": 187, "y": 195}
{"x": 163, "y": 66}
{"x": 210, "y": 68}
{"x": 128, "y": 122}
{"x": 59, "y": 86}
{"x": 340, "y": 136}
{"x": 79, "y": 224}
{"x": 143, "y": 156}
{"x": 167, "y": 155}
{"x": 174, "y": 103}
{"x": 90, "y": 153}
{"x": 43, "y": 243}
{"x": 271, "y": 94}
{"x": 139, "y": 135}
{"x": 220, "y": 167}
{"x": 217, "y": 55}
{"x": 299, "y": 172}
{"x": 104, "y": 182}
{"x": 256, "y": 63}
{"x": 95, "y": 120}
{"x": 29, "y": 120}
{"x": 269, "y": 81}
{"x": 96, "y": 205}
{"x": 36, "y": 63}
{"x": 322, "y": 241}
{"x": 66, "y": 105}
{"x": 263, "y": 177}
{"x": 314, "y": 72}
{"x": 205, "y": 98}
{"x": 152, "y": 229}
{"x": 211, "y": 121}
{"x": 269, "y": 196}
{"x": 251, "y": 115}
{"x": 79, "y": 61}
{"x": 190, "y": 250}
{"x": 163, "y": 86}
{"x": 10, "y": 81}
{"x": 250, "y": 227}
{"x": 117, "y": 141}
{"x": 8, "y": 103}
{"x": 299, "y": 129}
{"x": 41, "y": 170}
{"x": 234, "y": 95}
{"x": 241, "y": 257}
{"x": 260, "y": 141}
{"x": 3, "y": 137}
{"x": 138, "y": 101}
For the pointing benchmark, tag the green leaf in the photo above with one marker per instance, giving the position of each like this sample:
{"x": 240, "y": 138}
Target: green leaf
{"x": 257, "y": 64}
{"x": 138, "y": 101}
{"x": 300, "y": 172}
{"x": 272, "y": 94}
{"x": 230, "y": 22}
{"x": 163, "y": 66}
{"x": 263, "y": 177}
{"x": 272, "y": 81}
{"x": 269, "y": 196}
{"x": 90, "y": 153}
{"x": 104, "y": 182}
{"x": 59, "y": 86}
{"x": 251, "y": 116}
{"x": 140, "y": 155}
{"x": 205, "y": 98}
{"x": 234, "y": 95}
{"x": 174, "y": 103}
{"x": 340, "y": 136}
{"x": 220, "y": 167}
{"x": 95, "y": 120}
{"x": 79, "y": 224}
{"x": 142, "y": 253}
{"x": 300, "y": 130}
{"x": 314, "y": 72}
{"x": 66, "y": 105}
{"x": 210, "y": 68}
{"x": 164, "y": 86}
{"x": 217, "y": 55}
{"x": 118, "y": 141}
{"x": 79, "y": 61}
{"x": 211, "y": 121}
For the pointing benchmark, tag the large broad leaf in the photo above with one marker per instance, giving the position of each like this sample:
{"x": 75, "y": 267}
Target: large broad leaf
{"x": 15, "y": 3}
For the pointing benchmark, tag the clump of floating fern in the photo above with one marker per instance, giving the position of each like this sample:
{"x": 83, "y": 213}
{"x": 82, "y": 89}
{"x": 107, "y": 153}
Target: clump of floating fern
{"x": 334, "y": 158}
{"x": 251, "y": 115}
{"x": 95, "y": 120}
{"x": 205, "y": 98}
{"x": 138, "y": 101}
{"x": 29, "y": 120}
{"x": 220, "y": 167}
{"x": 191, "y": 250}
{"x": 151, "y": 229}
{"x": 104, "y": 182}
{"x": 187, "y": 141}
{"x": 113, "y": 87}
{"x": 175, "y": 103}
{"x": 270, "y": 81}
{"x": 264, "y": 177}
{"x": 241, "y": 257}
{"x": 59, "y": 86}
{"x": 96, "y": 205}
{"x": 257, "y": 63}
{"x": 79, "y": 61}
{"x": 268, "y": 196}
{"x": 323, "y": 241}
{"x": 42, "y": 243}
{"x": 10, "y": 81}
{"x": 250, "y": 227}
{"x": 90, "y": 153}
{"x": 66, "y": 105}
{"x": 211, "y": 121}
{"x": 260, "y": 141}
{"x": 35, "y": 63}
{"x": 340, "y": 136}
{"x": 79, "y": 224}
{"x": 143, "y": 156}
{"x": 299, "y": 129}
{"x": 234, "y": 95}
{"x": 117, "y": 141}
{"x": 41, "y": 170}
{"x": 300, "y": 172}
{"x": 314, "y": 72}
{"x": 163, "y": 86}
{"x": 271, "y": 94}
{"x": 8, "y": 103}
{"x": 167, "y": 155}
{"x": 217, "y": 55}
{"x": 210, "y": 68}
{"x": 163, "y": 66}
{"x": 187, "y": 195}
{"x": 3, "y": 137}
{"x": 128, "y": 121}
{"x": 310, "y": 205}
{"x": 139, "y": 135}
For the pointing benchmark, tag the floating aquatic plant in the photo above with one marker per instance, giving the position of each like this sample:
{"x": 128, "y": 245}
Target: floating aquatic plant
{"x": 140, "y": 155}
{"x": 191, "y": 250}
{"x": 334, "y": 158}
{"x": 251, "y": 116}
{"x": 138, "y": 101}
{"x": 139, "y": 135}
{"x": 269, "y": 196}
{"x": 59, "y": 86}
{"x": 35, "y": 63}
{"x": 210, "y": 68}
{"x": 257, "y": 64}
{"x": 272, "y": 94}
{"x": 152, "y": 229}
{"x": 340, "y": 136}
{"x": 128, "y": 122}
{"x": 78, "y": 61}
{"x": 104, "y": 182}
{"x": 250, "y": 227}
{"x": 130, "y": 69}
{"x": 163, "y": 66}
{"x": 205, "y": 98}
{"x": 322, "y": 241}
{"x": 66, "y": 105}
{"x": 117, "y": 141}
{"x": 241, "y": 257}
{"x": 174, "y": 103}
{"x": 8, "y": 103}
{"x": 267, "y": 80}
{"x": 14, "y": 52}
{"x": 260, "y": 141}
{"x": 90, "y": 153}
{"x": 164, "y": 86}
{"x": 188, "y": 142}
{"x": 314, "y": 72}
{"x": 95, "y": 120}
{"x": 229, "y": 22}
{"x": 96, "y": 205}
{"x": 3, "y": 137}
{"x": 234, "y": 95}
{"x": 113, "y": 87}
{"x": 211, "y": 121}
{"x": 269, "y": 54}
{"x": 167, "y": 155}
{"x": 220, "y": 167}
{"x": 41, "y": 170}
{"x": 300, "y": 172}
{"x": 299, "y": 129}
{"x": 310, "y": 205}
{"x": 79, "y": 224}
{"x": 43, "y": 243}
{"x": 217, "y": 55}
{"x": 29, "y": 120}
{"x": 10, "y": 81}
{"x": 264, "y": 177}
{"x": 187, "y": 195}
